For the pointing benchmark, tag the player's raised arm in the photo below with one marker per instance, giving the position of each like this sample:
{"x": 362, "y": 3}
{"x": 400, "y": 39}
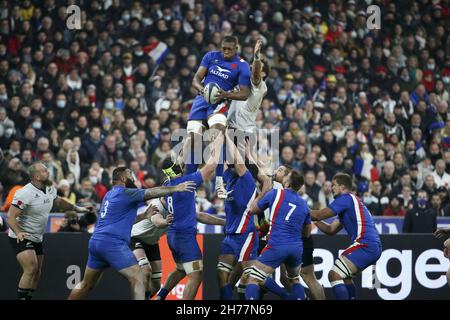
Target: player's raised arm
{"x": 215, "y": 146}
{"x": 329, "y": 228}
{"x": 207, "y": 218}
{"x": 256, "y": 65}
{"x": 165, "y": 191}
{"x": 236, "y": 158}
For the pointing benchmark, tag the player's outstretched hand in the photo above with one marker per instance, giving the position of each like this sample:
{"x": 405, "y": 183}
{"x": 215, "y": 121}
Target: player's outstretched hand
{"x": 257, "y": 49}
{"x": 442, "y": 233}
{"x": 186, "y": 186}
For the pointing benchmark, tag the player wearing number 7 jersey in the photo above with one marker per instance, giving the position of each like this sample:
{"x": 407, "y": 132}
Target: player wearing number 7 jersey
{"x": 290, "y": 220}
{"x": 108, "y": 246}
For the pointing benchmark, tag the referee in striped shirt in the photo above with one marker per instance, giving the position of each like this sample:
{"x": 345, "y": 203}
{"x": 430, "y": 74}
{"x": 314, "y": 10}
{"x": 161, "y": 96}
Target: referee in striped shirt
{"x": 27, "y": 219}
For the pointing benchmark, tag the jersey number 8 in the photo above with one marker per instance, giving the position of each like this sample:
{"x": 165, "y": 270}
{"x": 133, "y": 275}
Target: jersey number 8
{"x": 170, "y": 205}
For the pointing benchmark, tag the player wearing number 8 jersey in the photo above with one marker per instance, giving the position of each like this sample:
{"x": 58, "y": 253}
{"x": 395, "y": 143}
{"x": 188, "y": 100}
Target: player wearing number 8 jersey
{"x": 108, "y": 246}
{"x": 356, "y": 219}
{"x": 181, "y": 235}
{"x": 290, "y": 221}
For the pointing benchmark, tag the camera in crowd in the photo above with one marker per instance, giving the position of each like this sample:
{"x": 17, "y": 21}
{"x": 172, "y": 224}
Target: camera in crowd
{"x": 72, "y": 222}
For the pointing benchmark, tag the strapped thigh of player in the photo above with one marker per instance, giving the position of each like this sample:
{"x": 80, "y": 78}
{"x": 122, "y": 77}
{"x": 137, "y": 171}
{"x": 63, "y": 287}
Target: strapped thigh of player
{"x": 257, "y": 274}
{"x": 143, "y": 262}
{"x": 194, "y": 126}
{"x": 190, "y": 267}
{"x": 218, "y": 116}
{"x": 225, "y": 267}
{"x": 340, "y": 267}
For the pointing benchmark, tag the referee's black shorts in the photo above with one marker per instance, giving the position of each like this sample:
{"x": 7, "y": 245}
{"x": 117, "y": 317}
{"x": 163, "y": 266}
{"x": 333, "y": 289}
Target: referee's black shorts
{"x": 26, "y": 245}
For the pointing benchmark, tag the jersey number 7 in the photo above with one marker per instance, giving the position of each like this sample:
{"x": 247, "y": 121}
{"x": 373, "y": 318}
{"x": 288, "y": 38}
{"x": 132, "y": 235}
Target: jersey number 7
{"x": 293, "y": 207}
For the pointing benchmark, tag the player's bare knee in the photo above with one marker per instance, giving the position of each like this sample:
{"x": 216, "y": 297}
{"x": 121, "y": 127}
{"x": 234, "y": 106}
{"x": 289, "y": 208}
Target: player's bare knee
{"x": 31, "y": 269}
{"x": 333, "y": 276}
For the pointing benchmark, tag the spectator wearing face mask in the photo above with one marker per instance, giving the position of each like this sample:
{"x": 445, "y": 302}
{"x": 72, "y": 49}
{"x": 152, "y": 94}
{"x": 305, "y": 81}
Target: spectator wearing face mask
{"x": 421, "y": 218}
{"x": 95, "y": 178}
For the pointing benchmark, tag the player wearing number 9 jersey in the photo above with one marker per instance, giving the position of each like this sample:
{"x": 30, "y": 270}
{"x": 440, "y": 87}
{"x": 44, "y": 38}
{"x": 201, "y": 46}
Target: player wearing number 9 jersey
{"x": 108, "y": 246}
{"x": 289, "y": 222}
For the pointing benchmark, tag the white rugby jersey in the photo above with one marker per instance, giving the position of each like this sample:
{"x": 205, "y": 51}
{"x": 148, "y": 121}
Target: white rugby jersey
{"x": 242, "y": 114}
{"x": 145, "y": 230}
{"x": 36, "y": 205}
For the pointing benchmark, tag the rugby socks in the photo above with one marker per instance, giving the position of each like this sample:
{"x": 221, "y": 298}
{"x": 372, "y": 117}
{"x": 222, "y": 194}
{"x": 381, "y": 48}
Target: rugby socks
{"x": 272, "y": 286}
{"x": 298, "y": 292}
{"x": 252, "y": 292}
{"x": 351, "y": 288}
{"x": 148, "y": 295}
{"x": 163, "y": 293}
{"x": 241, "y": 291}
{"x": 226, "y": 292}
{"x": 24, "y": 294}
{"x": 339, "y": 290}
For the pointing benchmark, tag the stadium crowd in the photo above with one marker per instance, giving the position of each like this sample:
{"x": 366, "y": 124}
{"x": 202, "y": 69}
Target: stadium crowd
{"x": 372, "y": 103}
